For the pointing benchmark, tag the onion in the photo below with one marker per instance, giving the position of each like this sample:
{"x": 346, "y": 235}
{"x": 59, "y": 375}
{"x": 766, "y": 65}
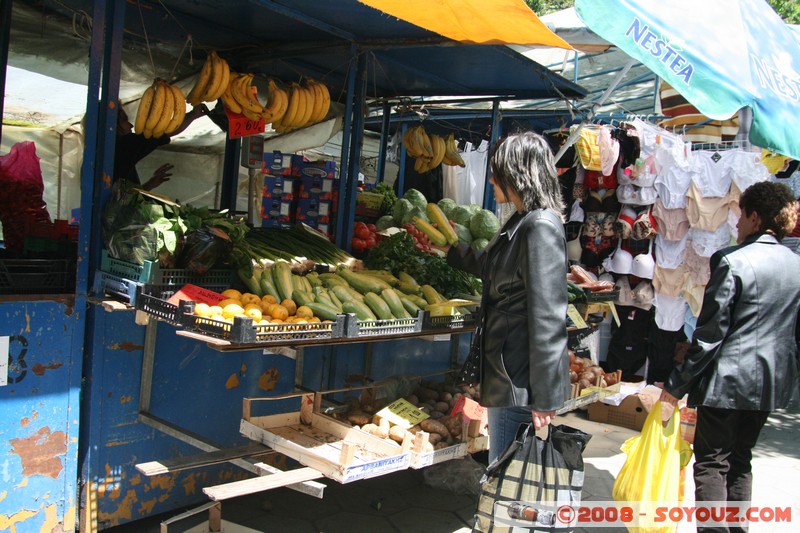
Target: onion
{"x": 587, "y": 362}
{"x": 597, "y": 370}
{"x": 576, "y": 367}
{"x": 611, "y": 379}
{"x": 588, "y": 376}
{"x": 572, "y": 356}
{"x": 573, "y": 376}
{"x": 583, "y": 383}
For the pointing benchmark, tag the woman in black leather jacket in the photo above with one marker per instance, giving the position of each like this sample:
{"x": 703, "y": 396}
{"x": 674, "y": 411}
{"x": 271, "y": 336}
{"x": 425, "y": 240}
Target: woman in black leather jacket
{"x": 524, "y": 365}
{"x": 743, "y": 361}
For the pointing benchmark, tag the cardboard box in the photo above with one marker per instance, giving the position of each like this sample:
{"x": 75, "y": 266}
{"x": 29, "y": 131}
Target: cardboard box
{"x": 278, "y": 164}
{"x": 318, "y": 169}
{"x": 278, "y": 209}
{"x": 269, "y": 223}
{"x": 630, "y": 413}
{"x": 312, "y": 209}
{"x": 318, "y": 187}
{"x": 283, "y": 187}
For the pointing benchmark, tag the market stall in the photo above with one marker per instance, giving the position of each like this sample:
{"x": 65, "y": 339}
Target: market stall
{"x": 174, "y": 387}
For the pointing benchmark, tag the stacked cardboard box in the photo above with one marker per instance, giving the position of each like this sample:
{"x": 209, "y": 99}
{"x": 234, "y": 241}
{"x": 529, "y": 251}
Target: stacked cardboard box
{"x": 318, "y": 194}
{"x": 280, "y": 193}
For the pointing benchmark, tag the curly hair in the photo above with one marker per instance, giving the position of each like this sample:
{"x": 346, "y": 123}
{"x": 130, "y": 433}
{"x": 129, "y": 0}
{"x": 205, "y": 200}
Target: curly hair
{"x": 523, "y": 163}
{"x": 774, "y": 203}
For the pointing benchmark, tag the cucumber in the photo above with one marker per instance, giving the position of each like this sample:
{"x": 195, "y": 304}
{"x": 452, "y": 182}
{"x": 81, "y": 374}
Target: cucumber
{"x": 363, "y": 283}
{"x": 301, "y": 297}
{"x": 385, "y": 275}
{"x": 405, "y": 277}
{"x": 337, "y": 303}
{"x": 328, "y": 280}
{"x": 412, "y": 308}
{"x": 323, "y": 311}
{"x": 343, "y": 294}
{"x": 395, "y": 305}
{"x": 419, "y": 301}
{"x": 321, "y": 296}
{"x": 267, "y": 286}
{"x": 282, "y": 277}
{"x": 431, "y": 295}
{"x": 408, "y": 288}
{"x": 378, "y": 306}
{"x": 360, "y": 309}
{"x": 313, "y": 278}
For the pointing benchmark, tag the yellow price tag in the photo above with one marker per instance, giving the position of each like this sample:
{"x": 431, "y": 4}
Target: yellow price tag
{"x": 576, "y": 317}
{"x": 402, "y": 413}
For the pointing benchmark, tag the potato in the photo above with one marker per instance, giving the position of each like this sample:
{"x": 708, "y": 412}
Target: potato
{"x": 359, "y": 418}
{"x": 440, "y": 445}
{"x": 453, "y": 424}
{"x": 445, "y": 397}
{"x": 397, "y": 433}
{"x": 436, "y": 415}
{"x": 378, "y": 431}
{"x": 412, "y": 399}
{"x": 441, "y": 406}
{"x": 435, "y": 438}
{"x": 454, "y": 400}
{"x": 427, "y": 395}
{"x": 434, "y": 426}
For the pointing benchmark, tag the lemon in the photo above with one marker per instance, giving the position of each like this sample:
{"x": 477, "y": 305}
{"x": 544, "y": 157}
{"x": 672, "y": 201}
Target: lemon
{"x": 226, "y": 302}
{"x": 232, "y": 309}
{"x": 231, "y": 293}
{"x": 202, "y": 309}
{"x": 214, "y": 310}
{"x": 254, "y": 313}
{"x": 218, "y": 318}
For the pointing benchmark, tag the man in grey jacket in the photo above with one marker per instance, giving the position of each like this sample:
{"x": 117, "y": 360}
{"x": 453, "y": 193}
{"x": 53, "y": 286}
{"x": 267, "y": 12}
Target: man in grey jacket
{"x": 743, "y": 360}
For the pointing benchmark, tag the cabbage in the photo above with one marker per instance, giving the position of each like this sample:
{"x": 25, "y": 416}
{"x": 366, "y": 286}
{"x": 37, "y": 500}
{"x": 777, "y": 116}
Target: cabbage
{"x": 484, "y": 225}
{"x": 464, "y": 235}
{"x": 479, "y": 244}
{"x": 414, "y": 212}
{"x": 399, "y": 210}
{"x": 416, "y": 198}
{"x": 460, "y": 215}
{"x": 447, "y": 205}
{"x": 385, "y": 222}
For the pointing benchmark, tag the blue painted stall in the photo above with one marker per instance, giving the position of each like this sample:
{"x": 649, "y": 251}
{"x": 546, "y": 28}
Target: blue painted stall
{"x": 39, "y": 407}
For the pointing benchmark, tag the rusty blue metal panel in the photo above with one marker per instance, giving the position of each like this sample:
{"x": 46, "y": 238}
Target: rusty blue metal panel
{"x": 39, "y": 413}
{"x": 193, "y": 386}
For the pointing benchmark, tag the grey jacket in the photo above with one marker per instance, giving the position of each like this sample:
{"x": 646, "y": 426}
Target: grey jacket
{"x": 524, "y": 309}
{"x": 743, "y": 354}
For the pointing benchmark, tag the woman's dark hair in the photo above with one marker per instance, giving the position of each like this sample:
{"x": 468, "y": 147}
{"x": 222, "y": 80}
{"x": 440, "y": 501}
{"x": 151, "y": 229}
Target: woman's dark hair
{"x": 523, "y": 163}
{"x": 774, "y": 203}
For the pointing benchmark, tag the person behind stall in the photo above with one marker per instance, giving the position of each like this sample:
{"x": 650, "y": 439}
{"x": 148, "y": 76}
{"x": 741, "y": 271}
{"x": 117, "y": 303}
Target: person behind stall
{"x": 742, "y": 363}
{"x": 133, "y": 147}
{"x": 525, "y": 374}
{"x": 792, "y": 240}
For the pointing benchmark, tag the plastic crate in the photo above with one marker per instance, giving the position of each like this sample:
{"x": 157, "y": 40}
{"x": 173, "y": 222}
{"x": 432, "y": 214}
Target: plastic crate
{"x": 466, "y": 321}
{"x": 152, "y": 300}
{"x": 106, "y": 284}
{"x": 36, "y": 276}
{"x": 605, "y": 296}
{"x": 373, "y": 328}
{"x": 243, "y": 331}
{"x": 153, "y": 274}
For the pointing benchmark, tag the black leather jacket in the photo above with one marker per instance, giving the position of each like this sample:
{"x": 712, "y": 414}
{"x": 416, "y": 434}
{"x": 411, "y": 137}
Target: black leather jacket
{"x": 524, "y": 309}
{"x": 743, "y": 354}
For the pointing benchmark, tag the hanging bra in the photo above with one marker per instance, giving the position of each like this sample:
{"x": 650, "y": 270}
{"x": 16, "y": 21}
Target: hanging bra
{"x": 594, "y": 179}
{"x": 621, "y": 262}
{"x": 574, "y": 249}
{"x": 645, "y": 227}
{"x": 641, "y": 296}
{"x": 644, "y": 266}
{"x": 605, "y": 202}
{"x": 576, "y": 213}
{"x": 624, "y": 224}
{"x": 631, "y": 194}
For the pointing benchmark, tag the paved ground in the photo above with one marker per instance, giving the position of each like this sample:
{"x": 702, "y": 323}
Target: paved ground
{"x": 403, "y": 502}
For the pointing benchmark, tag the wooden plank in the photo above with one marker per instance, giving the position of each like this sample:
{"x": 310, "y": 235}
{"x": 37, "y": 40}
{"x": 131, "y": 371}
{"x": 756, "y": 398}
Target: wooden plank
{"x": 269, "y": 421}
{"x": 351, "y": 434}
{"x": 154, "y": 468}
{"x": 261, "y": 483}
{"x": 213, "y": 342}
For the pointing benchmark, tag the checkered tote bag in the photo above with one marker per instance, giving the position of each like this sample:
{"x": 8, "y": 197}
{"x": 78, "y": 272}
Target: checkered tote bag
{"x": 523, "y": 488}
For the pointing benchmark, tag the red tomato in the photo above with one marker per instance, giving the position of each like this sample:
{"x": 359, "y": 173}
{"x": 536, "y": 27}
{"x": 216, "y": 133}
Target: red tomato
{"x": 362, "y": 232}
{"x": 358, "y": 244}
{"x": 370, "y": 242}
{"x": 372, "y": 228}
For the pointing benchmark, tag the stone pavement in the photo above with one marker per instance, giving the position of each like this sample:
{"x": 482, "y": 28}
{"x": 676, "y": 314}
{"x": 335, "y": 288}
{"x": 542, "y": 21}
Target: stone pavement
{"x": 402, "y": 502}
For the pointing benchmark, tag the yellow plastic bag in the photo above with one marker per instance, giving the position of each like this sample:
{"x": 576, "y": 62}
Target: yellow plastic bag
{"x": 652, "y": 472}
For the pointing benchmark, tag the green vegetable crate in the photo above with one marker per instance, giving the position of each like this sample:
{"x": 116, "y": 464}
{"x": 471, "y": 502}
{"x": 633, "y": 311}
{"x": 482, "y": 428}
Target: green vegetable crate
{"x": 464, "y": 321}
{"x": 36, "y": 276}
{"x": 393, "y": 326}
{"x": 152, "y": 274}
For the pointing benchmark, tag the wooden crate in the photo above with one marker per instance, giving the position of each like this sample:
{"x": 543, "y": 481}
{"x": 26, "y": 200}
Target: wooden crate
{"x": 337, "y": 450}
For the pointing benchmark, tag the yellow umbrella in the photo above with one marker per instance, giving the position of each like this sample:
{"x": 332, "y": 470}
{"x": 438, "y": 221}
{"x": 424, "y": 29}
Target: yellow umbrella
{"x": 474, "y": 21}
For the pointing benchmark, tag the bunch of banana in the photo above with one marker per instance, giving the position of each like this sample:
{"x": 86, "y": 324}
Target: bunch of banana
{"x": 212, "y": 81}
{"x": 419, "y": 145}
{"x": 277, "y": 103}
{"x": 240, "y": 98}
{"x": 307, "y": 105}
{"x": 452, "y": 157}
{"x": 161, "y": 110}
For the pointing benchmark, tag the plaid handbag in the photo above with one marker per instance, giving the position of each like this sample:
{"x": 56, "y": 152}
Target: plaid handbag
{"x": 527, "y": 483}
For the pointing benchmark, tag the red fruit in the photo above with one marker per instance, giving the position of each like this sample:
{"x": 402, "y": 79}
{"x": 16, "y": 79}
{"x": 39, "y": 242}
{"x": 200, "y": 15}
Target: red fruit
{"x": 372, "y": 228}
{"x": 358, "y": 245}
{"x": 370, "y": 242}
{"x": 362, "y": 232}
